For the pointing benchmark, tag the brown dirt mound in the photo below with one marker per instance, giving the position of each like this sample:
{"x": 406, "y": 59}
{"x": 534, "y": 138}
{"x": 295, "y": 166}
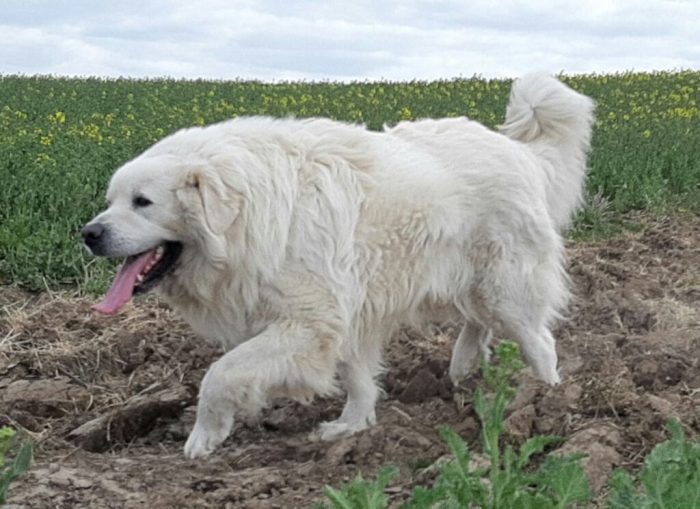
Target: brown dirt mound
{"x": 629, "y": 354}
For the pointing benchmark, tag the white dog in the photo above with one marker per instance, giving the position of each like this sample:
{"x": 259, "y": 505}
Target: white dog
{"x": 301, "y": 245}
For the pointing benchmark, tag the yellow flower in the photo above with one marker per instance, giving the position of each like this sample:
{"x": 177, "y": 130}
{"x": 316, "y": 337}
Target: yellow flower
{"x": 92, "y": 131}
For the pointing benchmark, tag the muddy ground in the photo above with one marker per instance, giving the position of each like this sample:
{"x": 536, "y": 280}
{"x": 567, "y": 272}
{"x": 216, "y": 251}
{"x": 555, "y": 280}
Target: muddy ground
{"x": 629, "y": 353}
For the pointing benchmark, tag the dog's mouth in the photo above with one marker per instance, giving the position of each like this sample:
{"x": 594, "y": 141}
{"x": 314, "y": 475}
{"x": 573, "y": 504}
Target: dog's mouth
{"x": 139, "y": 274}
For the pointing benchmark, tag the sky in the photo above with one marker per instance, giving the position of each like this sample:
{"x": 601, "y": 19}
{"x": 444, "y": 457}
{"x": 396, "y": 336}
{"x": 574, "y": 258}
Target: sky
{"x": 276, "y": 40}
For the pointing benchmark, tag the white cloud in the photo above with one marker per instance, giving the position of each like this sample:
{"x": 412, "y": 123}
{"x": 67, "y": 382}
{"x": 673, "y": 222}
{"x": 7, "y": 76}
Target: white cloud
{"x": 400, "y": 40}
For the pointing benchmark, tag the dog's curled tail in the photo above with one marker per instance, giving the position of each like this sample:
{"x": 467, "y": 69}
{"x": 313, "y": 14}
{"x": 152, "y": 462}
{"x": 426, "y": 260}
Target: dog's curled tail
{"x": 556, "y": 123}
{"x": 542, "y": 107}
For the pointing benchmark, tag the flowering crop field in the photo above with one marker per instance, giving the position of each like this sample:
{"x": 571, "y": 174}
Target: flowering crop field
{"x": 61, "y": 139}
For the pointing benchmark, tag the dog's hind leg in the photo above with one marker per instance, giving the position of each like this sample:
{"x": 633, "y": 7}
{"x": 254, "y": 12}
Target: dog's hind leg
{"x": 472, "y": 343}
{"x": 527, "y": 307}
{"x": 537, "y": 345}
{"x": 294, "y": 359}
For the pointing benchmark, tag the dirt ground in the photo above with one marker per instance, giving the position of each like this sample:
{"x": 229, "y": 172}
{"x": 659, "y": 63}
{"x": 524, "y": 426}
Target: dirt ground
{"x": 629, "y": 356}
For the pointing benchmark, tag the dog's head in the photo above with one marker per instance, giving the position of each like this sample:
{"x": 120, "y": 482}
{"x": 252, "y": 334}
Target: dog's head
{"x": 162, "y": 208}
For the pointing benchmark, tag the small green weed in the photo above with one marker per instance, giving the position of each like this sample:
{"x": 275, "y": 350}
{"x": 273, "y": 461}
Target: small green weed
{"x": 362, "y": 494}
{"x": 11, "y": 469}
{"x": 670, "y": 477}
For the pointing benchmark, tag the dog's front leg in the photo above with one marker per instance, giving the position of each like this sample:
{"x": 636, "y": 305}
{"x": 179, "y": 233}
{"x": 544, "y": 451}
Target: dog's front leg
{"x": 293, "y": 358}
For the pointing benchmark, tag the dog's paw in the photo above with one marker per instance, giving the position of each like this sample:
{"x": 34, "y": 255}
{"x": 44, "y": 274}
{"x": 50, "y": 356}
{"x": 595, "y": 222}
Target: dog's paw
{"x": 334, "y": 430}
{"x": 458, "y": 372}
{"x": 552, "y": 378}
{"x": 465, "y": 361}
{"x": 202, "y": 442}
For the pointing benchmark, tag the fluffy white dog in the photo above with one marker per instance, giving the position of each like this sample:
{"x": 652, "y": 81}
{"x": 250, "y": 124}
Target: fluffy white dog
{"x": 302, "y": 245}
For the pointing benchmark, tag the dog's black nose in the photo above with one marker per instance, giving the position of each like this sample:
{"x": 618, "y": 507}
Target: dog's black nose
{"x": 92, "y": 233}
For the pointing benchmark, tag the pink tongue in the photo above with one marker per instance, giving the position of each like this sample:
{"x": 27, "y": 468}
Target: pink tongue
{"x": 123, "y": 286}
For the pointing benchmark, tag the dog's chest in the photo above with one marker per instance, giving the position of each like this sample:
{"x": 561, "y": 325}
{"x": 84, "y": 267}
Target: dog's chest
{"x": 226, "y": 325}
{"x": 216, "y": 327}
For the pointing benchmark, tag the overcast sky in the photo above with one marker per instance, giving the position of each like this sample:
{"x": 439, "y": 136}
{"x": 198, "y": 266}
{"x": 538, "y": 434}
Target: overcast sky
{"x": 275, "y": 40}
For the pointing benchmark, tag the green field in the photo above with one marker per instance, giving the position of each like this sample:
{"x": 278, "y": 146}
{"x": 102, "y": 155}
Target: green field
{"x": 60, "y": 140}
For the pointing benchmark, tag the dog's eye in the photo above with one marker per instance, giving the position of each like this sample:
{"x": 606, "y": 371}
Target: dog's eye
{"x": 142, "y": 201}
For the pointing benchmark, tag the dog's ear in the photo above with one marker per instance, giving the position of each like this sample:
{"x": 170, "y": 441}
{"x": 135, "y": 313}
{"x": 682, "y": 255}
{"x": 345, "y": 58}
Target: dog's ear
{"x": 205, "y": 195}
{"x": 210, "y": 208}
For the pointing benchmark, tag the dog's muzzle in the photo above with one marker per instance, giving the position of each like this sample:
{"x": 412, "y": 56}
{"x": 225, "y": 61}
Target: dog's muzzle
{"x": 93, "y": 236}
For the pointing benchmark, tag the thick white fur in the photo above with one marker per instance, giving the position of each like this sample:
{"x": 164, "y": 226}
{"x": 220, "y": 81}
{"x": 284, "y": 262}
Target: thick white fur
{"x": 308, "y": 242}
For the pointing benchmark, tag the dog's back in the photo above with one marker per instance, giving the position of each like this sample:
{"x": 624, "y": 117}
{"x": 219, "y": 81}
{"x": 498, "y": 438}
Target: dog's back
{"x": 546, "y": 119}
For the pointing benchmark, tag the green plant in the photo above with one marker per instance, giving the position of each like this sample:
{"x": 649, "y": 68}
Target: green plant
{"x": 11, "y": 469}
{"x": 362, "y": 494}
{"x": 670, "y": 477}
{"x": 510, "y": 481}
